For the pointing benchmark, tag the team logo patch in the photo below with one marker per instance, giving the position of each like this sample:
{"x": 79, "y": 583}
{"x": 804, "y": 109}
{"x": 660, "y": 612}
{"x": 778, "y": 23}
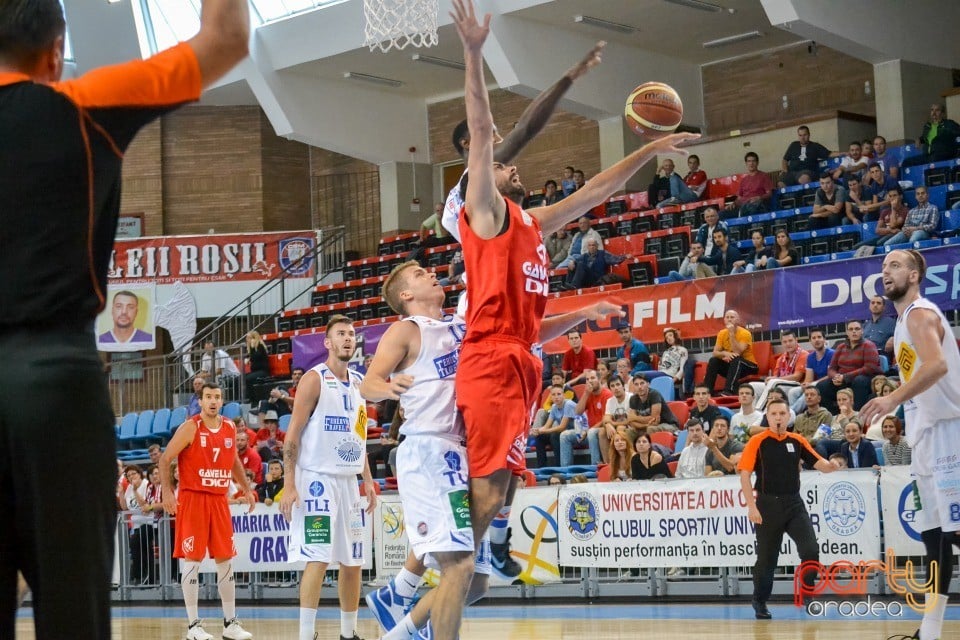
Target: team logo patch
{"x": 453, "y": 460}
{"x": 228, "y": 442}
{"x": 582, "y": 516}
{"x": 422, "y": 528}
{"x": 349, "y": 451}
{"x": 316, "y": 489}
{"x": 336, "y": 423}
{"x": 844, "y": 508}
{"x": 187, "y": 545}
{"x": 295, "y": 255}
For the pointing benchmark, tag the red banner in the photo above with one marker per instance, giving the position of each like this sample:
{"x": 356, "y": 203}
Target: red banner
{"x": 211, "y": 258}
{"x": 695, "y": 307}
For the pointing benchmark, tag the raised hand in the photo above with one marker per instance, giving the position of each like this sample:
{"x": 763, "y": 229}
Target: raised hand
{"x": 472, "y": 33}
{"x": 602, "y": 309}
{"x": 668, "y": 144}
{"x": 592, "y": 59}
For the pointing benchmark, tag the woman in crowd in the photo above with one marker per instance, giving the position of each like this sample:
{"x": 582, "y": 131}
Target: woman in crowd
{"x": 829, "y": 443}
{"x": 603, "y": 372}
{"x": 757, "y": 258}
{"x": 647, "y": 464}
{"x": 784, "y": 254}
{"x": 673, "y": 360}
{"x": 883, "y": 387}
{"x": 895, "y": 449}
{"x": 258, "y": 361}
{"x": 142, "y": 532}
{"x": 621, "y": 457}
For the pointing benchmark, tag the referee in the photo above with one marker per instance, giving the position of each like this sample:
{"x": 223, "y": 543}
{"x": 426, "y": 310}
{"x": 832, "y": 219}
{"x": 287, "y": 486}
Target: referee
{"x": 61, "y": 150}
{"x": 775, "y": 456}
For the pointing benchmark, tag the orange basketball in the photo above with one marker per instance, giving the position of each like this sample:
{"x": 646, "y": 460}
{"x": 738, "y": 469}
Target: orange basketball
{"x": 653, "y": 109}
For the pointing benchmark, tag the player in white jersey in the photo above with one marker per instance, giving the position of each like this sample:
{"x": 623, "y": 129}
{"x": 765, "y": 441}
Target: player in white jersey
{"x": 416, "y": 363}
{"x": 929, "y": 362}
{"x": 323, "y": 452}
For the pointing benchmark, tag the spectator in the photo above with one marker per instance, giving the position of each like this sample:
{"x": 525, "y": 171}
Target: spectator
{"x": 649, "y": 412}
{"x": 623, "y": 372}
{"x": 249, "y": 457}
{"x": 732, "y": 355}
{"x": 696, "y": 178}
{"x": 633, "y": 349}
{"x": 890, "y": 221}
{"x": 567, "y": 184}
{"x": 874, "y": 430}
{"x": 216, "y": 365}
{"x": 648, "y": 464}
{"x": 269, "y": 437}
{"x": 593, "y": 267}
{"x": 551, "y": 195}
{"x": 938, "y": 140}
{"x": 433, "y": 223}
{"x": 673, "y": 360}
{"x": 854, "y": 362}
{"x": 616, "y": 416}
{"x": 389, "y": 440}
{"x": 896, "y": 451}
{"x": 578, "y": 243}
{"x": 711, "y": 222}
{"x": 577, "y": 359}
{"x": 579, "y": 479}
{"x": 784, "y": 253}
{"x": 852, "y": 164}
{"x": 828, "y": 440}
{"x": 859, "y": 453}
{"x": 748, "y": 415}
{"x": 592, "y": 405}
{"x": 558, "y": 247}
{"x": 603, "y": 372}
{"x": 858, "y": 204}
{"x": 757, "y": 258}
{"x": 703, "y": 412}
{"x": 557, "y": 479}
{"x": 579, "y": 179}
{"x": 921, "y": 223}
{"x": 724, "y": 255}
{"x": 829, "y": 204}
{"x": 280, "y": 399}
{"x": 237, "y": 495}
{"x": 154, "y": 452}
{"x": 867, "y": 148}
{"x": 889, "y": 164}
{"x": 808, "y": 422}
{"x": 621, "y": 456}
{"x": 755, "y": 190}
{"x": 258, "y": 361}
{"x": 790, "y": 367}
{"x": 268, "y": 492}
{"x": 693, "y": 266}
{"x": 818, "y": 364}
{"x": 879, "y": 328}
{"x": 801, "y": 161}
{"x": 776, "y": 394}
{"x": 142, "y": 532}
{"x": 193, "y": 407}
{"x": 455, "y": 270}
{"x": 560, "y": 418}
{"x": 876, "y": 189}
{"x": 723, "y": 452}
{"x": 668, "y": 188}
{"x": 692, "y": 463}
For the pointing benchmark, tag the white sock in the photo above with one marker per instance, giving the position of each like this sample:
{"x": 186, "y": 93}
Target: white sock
{"x": 498, "y": 528}
{"x": 190, "y": 583}
{"x": 404, "y": 629}
{"x": 348, "y": 623}
{"x": 228, "y": 590}
{"x": 308, "y": 619}
{"x": 406, "y": 583}
{"x": 931, "y": 626}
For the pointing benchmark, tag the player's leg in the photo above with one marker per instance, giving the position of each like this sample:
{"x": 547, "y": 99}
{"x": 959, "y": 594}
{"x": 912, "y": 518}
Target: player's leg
{"x": 222, "y": 549}
{"x": 390, "y": 603}
{"x": 310, "y": 535}
{"x": 347, "y": 548}
{"x": 64, "y": 550}
{"x": 348, "y": 590}
{"x": 190, "y": 543}
{"x": 311, "y": 584}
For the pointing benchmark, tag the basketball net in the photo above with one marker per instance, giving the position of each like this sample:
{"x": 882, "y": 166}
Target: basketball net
{"x": 398, "y": 23}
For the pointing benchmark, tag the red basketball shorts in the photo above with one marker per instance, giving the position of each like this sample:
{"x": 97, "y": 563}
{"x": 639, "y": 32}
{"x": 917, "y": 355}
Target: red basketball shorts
{"x": 498, "y": 382}
{"x": 203, "y": 525}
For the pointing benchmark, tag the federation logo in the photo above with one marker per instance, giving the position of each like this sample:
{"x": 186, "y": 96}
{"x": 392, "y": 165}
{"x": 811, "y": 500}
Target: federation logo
{"x": 392, "y": 515}
{"x": 295, "y": 256}
{"x": 349, "y": 451}
{"x": 316, "y": 489}
{"x": 844, "y": 509}
{"x": 452, "y": 458}
{"x": 582, "y": 516}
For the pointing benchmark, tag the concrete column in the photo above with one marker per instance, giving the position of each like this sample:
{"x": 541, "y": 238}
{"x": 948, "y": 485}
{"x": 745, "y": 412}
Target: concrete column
{"x": 904, "y": 92}
{"x": 400, "y": 184}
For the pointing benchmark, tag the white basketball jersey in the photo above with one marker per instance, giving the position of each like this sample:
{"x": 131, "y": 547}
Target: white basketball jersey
{"x": 335, "y": 439}
{"x": 429, "y": 406}
{"x": 942, "y": 400}
{"x": 452, "y": 208}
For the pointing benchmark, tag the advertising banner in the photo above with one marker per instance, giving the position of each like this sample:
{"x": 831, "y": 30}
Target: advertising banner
{"x": 308, "y": 350}
{"x": 899, "y": 509}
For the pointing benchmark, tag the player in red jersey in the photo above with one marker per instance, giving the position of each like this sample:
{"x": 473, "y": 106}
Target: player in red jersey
{"x": 205, "y": 448}
{"x": 498, "y": 380}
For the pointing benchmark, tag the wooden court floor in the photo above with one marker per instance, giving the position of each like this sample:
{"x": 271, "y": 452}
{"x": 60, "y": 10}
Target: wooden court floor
{"x": 521, "y": 622}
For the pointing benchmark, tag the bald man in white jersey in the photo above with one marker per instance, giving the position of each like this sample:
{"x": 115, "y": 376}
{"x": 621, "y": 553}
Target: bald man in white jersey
{"x": 929, "y": 362}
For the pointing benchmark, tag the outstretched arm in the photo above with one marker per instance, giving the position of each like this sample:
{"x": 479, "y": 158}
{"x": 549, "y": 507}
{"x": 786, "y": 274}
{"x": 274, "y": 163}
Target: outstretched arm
{"x": 605, "y": 183}
{"x": 535, "y": 117}
{"x": 380, "y": 382}
{"x": 556, "y": 326}
{"x": 223, "y": 38}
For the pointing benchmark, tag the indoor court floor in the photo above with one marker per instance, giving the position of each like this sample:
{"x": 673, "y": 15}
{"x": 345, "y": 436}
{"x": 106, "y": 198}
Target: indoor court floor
{"x": 624, "y": 621}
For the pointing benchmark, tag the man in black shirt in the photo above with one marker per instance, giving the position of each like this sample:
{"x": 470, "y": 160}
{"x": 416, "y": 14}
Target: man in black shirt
{"x": 775, "y": 456}
{"x": 801, "y": 161}
{"x": 703, "y": 411}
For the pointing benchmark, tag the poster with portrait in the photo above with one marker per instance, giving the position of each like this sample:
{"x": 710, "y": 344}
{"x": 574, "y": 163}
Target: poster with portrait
{"x": 127, "y": 322}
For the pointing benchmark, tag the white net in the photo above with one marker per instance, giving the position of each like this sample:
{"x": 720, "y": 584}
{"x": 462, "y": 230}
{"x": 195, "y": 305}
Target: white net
{"x": 400, "y": 23}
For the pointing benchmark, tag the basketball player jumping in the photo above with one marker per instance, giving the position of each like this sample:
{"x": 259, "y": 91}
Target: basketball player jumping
{"x": 416, "y": 363}
{"x": 206, "y": 453}
{"x": 508, "y": 285}
{"x": 929, "y": 362}
{"x": 323, "y": 452}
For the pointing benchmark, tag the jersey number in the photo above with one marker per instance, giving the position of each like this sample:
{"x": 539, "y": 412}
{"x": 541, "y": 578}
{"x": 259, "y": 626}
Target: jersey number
{"x": 459, "y": 330}
{"x": 216, "y": 453}
{"x": 347, "y": 403}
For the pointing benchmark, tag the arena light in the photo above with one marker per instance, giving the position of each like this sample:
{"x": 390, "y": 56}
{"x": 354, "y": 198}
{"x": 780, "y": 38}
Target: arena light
{"x": 439, "y": 62}
{"x": 366, "y": 77}
{"x": 740, "y": 37}
{"x": 699, "y": 5}
{"x": 605, "y": 24}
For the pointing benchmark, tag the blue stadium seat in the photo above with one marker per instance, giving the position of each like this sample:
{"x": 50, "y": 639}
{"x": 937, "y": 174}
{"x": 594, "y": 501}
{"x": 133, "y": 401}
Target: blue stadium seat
{"x": 884, "y": 361}
{"x": 177, "y": 418}
{"x": 128, "y": 429}
{"x": 663, "y": 384}
{"x": 284, "y": 422}
{"x": 681, "y": 440}
{"x": 160, "y": 431}
{"x": 144, "y": 427}
{"x": 878, "y": 445}
{"x": 949, "y": 220}
{"x": 727, "y": 413}
{"x": 231, "y": 410}
{"x": 815, "y": 259}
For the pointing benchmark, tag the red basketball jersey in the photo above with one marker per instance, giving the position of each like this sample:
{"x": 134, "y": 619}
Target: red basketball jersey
{"x": 206, "y": 463}
{"x": 507, "y": 281}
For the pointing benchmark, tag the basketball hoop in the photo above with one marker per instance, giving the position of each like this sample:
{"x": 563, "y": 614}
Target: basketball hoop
{"x": 399, "y": 23}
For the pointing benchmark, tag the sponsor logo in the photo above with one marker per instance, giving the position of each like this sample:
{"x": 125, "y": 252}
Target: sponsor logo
{"x": 582, "y": 516}
{"x": 203, "y": 440}
{"x": 316, "y": 489}
{"x": 446, "y": 365}
{"x": 316, "y": 529}
{"x": 907, "y": 509}
{"x": 349, "y": 450}
{"x": 228, "y": 443}
{"x": 453, "y": 460}
{"x": 336, "y": 423}
{"x": 460, "y": 506}
{"x": 295, "y": 255}
{"x": 844, "y": 509}
{"x": 537, "y": 280}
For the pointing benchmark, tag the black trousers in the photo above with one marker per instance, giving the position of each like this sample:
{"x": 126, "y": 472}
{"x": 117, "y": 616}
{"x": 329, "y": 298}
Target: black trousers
{"x": 732, "y": 371}
{"x": 781, "y": 514}
{"x": 55, "y": 414}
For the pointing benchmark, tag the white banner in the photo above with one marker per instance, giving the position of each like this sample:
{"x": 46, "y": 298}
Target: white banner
{"x": 703, "y": 522}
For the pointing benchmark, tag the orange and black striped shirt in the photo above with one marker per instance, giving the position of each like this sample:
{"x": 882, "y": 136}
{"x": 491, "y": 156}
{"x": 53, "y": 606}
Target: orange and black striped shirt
{"x": 776, "y": 461}
{"x": 61, "y": 152}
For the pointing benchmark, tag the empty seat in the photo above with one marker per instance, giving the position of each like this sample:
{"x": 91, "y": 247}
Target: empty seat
{"x": 128, "y": 429}
{"x": 160, "y": 431}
